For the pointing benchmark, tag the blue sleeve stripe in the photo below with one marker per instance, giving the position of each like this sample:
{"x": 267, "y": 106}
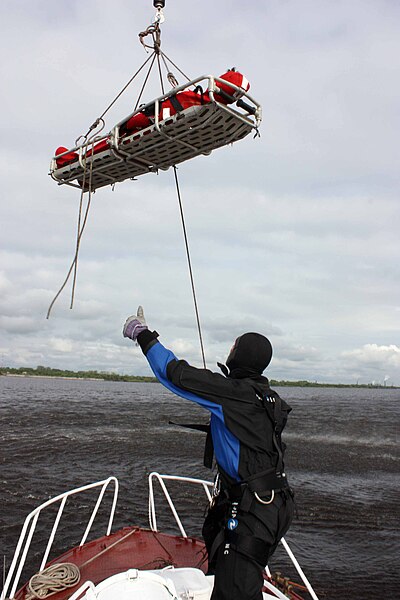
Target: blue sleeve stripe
{"x": 226, "y": 445}
{"x": 158, "y": 358}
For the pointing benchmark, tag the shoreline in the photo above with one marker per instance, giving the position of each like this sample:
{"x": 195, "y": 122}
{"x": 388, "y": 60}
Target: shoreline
{"x": 145, "y": 379}
{"x": 51, "y": 377}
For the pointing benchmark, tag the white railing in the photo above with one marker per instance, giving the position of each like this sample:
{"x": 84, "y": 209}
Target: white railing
{"x": 30, "y": 523}
{"x": 207, "y": 485}
{"x": 161, "y": 479}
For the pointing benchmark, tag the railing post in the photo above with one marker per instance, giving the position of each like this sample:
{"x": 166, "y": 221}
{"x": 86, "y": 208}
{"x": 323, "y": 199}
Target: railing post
{"x": 299, "y": 569}
{"x": 18, "y": 561}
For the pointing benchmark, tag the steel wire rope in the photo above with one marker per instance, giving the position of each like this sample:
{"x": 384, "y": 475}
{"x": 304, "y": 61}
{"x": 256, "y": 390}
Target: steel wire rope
{"x": 160, "y": 74}
{"x": 170, "y": 76}
{"x": 153, "y": 55}
{"x": 101, "y": 118}
{"x": 174, "y": 65}
{"x": 158, "y": 52}
{"x": 189, "y": 265}
{"x": 126, "y": 86}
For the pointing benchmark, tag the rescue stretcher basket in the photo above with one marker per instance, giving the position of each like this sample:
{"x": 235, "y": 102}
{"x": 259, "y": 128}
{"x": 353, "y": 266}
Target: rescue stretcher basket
{"x": 166, "y": 142}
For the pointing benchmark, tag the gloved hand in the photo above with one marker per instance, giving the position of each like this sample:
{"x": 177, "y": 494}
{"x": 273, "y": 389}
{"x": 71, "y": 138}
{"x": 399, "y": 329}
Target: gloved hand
{"x": 135, "y": 325}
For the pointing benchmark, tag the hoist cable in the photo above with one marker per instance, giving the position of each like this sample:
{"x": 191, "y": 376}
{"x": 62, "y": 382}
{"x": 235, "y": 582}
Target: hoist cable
{"x": 146, "y": 79}
{"x": 160, "y": 74}
{"x": 174, "y": 65}
{"x": 170, "y": 76}
{"x": 189, "y": 265}
{"x": 100, "y": 119}
{"x": 126, "y": 86}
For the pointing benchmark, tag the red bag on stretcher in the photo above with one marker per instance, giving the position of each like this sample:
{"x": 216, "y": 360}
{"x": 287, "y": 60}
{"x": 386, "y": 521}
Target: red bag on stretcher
{"x": 169, "y": 107}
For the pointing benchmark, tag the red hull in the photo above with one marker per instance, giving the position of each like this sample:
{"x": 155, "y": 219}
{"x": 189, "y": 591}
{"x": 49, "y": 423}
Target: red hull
{"x": 129, "y": 548}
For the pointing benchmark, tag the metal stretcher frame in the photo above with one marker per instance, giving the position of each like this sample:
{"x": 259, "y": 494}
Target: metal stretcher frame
{"x": 196, "y": 130}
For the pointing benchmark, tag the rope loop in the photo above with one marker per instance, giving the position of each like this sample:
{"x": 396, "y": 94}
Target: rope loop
{"x": 55, "y": 578}
{"x": 155, "y": 32}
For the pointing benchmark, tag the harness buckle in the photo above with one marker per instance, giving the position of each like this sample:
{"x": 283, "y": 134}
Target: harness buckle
{"x": 216, "y": 490}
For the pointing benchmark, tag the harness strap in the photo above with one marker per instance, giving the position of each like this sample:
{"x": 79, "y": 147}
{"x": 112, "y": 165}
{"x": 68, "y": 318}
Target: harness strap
{"x": 208, "y": 450}
{"x": 273, "y": 407}
{"x": 199, "y": 90}
{"x": 149, "y": 111}
{"x": 252, "y": 547}
{"x": 218, "y": 540}
{"x": 175, "y": 103}
{"x": 266, "y": 481}
{"x": 263, "y": 483}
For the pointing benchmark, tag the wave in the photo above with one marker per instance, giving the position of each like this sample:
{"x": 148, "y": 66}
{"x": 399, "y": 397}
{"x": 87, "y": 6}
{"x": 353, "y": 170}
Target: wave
{"x": 344, "y": 440}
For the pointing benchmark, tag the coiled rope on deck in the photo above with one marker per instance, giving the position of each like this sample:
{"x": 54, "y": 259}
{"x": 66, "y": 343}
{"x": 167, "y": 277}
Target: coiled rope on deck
{"x": 61, "y": 576}
{"x": 54, "y": 579}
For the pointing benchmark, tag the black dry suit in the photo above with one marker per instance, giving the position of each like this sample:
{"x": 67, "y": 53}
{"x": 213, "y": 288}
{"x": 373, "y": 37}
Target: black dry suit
{"x": 254, "y": 506}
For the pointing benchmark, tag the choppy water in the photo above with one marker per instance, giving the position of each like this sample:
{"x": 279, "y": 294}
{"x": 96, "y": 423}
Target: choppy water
{"x": 343, "y": 461}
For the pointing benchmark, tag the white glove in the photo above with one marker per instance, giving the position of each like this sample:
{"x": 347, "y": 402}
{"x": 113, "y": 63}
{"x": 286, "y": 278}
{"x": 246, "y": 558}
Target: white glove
{"x": 135, "y": 325}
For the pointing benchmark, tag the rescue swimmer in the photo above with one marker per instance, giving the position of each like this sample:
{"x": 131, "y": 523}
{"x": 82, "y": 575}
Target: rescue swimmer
{"x": 253, "y": 503}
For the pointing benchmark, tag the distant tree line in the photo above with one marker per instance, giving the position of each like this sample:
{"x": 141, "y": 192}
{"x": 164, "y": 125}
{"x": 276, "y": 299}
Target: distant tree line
{"x": 41, "y": 371}
{"x": 274, "y": 382}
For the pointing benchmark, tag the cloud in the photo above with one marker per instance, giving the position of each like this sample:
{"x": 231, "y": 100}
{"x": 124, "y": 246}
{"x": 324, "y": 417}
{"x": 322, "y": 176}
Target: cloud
{"x": 373, "y": 356}
{"x": 60, "y": 345}
{"x": 19, "y": 325}
{"x": 294, "y": 234}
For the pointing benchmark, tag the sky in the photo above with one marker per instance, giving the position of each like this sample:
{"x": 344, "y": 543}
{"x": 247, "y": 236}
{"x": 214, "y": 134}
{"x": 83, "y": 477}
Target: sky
{"x": 294, "y": 235}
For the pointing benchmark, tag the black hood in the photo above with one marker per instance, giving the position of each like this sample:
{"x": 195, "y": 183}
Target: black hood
{"x": 251, "y": 353}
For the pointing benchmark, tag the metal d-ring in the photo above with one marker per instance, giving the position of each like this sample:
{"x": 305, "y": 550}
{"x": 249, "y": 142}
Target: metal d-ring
{"x": 265, "y": 501}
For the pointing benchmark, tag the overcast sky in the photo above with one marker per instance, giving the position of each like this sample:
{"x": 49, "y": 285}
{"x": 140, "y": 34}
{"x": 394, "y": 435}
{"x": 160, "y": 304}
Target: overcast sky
{"x": 294, "y": 235}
